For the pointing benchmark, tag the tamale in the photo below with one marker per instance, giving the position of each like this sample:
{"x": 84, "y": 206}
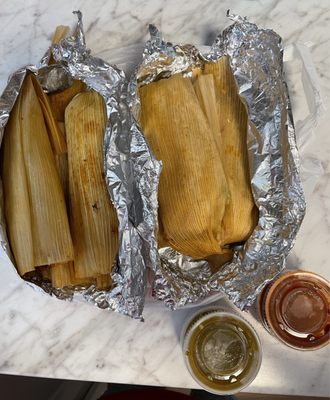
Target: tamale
{"x": 103, "y": 282}
{"x": 61, "y": 161}
{"x": 61, "y": 125}
{"x": 83, "y": 281}
{"x": 60, "y": 33}
{"x": 63, "y": 275}
{"x": 93, "y": 219}
{"x": 16, "y": 193}
{"x": 195, "y": 73}
{"x": 193, "y": 191}
{"x": 205, "y": 92}
{"x": 61, "y": 158}
{"x": 241, "y": 214}
{"x": 216, "y": 261}
{"x": 60, "y": 100}
{"x": 55, "y": 134}
{"x": 49, "y": 221}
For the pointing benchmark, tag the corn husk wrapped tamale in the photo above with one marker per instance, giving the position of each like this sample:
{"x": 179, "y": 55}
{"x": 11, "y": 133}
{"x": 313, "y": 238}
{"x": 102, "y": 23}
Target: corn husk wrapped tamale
{"x": 103, "y": 282}
{"x": 241, "y": 215}
{"x": 56, "y": 136}
{"x": 60, "y": 100}
{"x": 193, "y": 193}
{"x": 62, "y": 274}
{"x": 61, "y": 32}
{"x": 39, "y": 202}
{"x": 205, "y": 92}
{"x": 16, "y": 194}
{"x": 57, "y": 109}
{"x": 50, "y": 228}
{"x": 93, "y": 219}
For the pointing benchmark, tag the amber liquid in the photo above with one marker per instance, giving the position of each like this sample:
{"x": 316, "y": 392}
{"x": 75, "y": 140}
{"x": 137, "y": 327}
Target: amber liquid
{"x": 222, "y": 352}
{"x": 296, "y": 309}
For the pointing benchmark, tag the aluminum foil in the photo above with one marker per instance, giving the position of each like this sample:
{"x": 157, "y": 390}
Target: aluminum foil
{"x": 256, "y": 59}
{"x": 131, "y": 172}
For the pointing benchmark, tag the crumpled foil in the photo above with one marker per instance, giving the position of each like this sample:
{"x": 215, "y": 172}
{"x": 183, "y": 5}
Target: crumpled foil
{"x": 131, "y": 171}
{"x": 256, "y": 59}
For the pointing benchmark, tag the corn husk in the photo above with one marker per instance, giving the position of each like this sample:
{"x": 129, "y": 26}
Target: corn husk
{"x": 55, "y": 134}
{"x": 61, "y": 161}
{"x": 216, "y": 261}
{"x": 61, "y": 32}
{"x": 63, "y": 275}
{"x": 205, "y": 92}
{"x": 195, "y": 73}
{"x": 83, "y": 281}
{"x": 93, "y": 218}
{"x": 16, "y": 193}
{"x": 241, "y": 215}
{"x": 61, "y": 158}
{"x": 60, "y": 100}
{"x": 104, "y": 282}
{"x": 50, "y": 227}
{"x": 193, "y": 192}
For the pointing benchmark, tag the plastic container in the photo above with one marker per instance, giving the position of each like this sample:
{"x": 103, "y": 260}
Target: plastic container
{"x": 221, "y": 350}
{"x": 296, "y": 309}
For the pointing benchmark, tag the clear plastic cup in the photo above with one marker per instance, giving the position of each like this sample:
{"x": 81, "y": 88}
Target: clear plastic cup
{"x": 295, "y": 308}
{"x": 221, "y": 350}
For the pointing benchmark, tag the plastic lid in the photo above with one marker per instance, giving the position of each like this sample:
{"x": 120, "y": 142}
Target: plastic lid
{"x": 222, "y": 352}
{"x": 297, "y": 310}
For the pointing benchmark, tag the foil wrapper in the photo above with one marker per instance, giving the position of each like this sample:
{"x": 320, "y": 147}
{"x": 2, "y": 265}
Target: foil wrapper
{"x": 256, "y": 60}
{"x": 131, "y": 171}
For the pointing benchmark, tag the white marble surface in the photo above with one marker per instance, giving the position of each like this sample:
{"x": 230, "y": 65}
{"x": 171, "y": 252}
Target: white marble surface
{"x": 41, "y": 336}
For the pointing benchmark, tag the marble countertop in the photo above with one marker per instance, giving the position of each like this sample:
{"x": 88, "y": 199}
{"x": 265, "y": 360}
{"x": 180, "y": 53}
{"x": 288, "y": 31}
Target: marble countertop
{"x": 42, "y": 336}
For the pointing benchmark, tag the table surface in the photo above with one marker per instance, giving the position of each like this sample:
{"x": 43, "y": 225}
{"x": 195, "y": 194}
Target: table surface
{"x": 42, "y": 336}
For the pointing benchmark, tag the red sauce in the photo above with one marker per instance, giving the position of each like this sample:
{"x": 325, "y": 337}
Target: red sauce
{"x": 296, "y": 309}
